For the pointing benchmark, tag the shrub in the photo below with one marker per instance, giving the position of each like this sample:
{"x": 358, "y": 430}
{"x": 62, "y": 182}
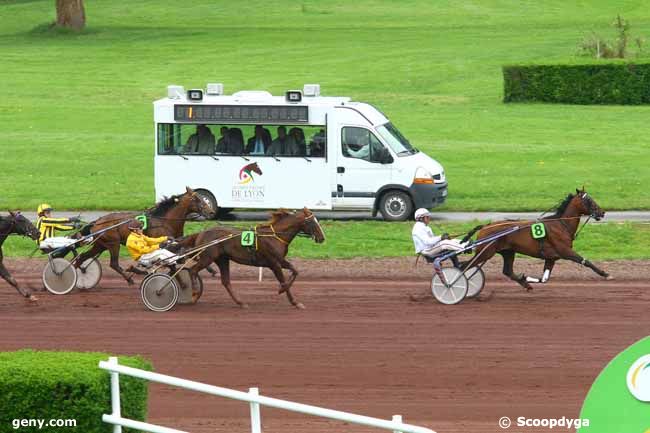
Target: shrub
{"x": 598, "y": 47}
{"x": 616, "y": 83}
{"x": 65, "y": 385}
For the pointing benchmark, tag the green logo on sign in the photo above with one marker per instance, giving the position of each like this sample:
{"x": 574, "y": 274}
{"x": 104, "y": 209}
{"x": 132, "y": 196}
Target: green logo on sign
{"x": 143, "y": 220}
{"x": 538, "y": 231}
{"x": 247, "y": 238}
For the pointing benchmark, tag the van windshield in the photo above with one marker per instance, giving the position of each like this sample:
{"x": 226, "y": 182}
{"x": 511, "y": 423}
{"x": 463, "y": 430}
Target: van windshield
{"x": 400, "y": 145}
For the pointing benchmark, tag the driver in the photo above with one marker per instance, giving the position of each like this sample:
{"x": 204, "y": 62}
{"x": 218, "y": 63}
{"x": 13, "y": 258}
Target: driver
{"x": 428, "y": 244}
{"x": 145, "y": 250}
{"x": 48, "y": 225}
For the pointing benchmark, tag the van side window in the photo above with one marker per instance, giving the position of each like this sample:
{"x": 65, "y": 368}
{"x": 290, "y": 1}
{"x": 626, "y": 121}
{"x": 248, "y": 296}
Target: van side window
{"x": 360, "y": 143}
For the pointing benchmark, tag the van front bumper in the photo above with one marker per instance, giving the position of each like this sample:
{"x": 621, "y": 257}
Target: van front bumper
{"x": 428, "y": 195}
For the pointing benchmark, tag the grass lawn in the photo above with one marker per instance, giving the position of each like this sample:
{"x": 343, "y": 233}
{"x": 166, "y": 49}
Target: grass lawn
{"x": 347, "y": 239}
{"x": 76, "y": 111}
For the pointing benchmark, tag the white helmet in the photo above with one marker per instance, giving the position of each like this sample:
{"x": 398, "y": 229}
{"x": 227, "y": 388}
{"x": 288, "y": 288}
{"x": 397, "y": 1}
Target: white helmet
{"x": 421, "y": 213}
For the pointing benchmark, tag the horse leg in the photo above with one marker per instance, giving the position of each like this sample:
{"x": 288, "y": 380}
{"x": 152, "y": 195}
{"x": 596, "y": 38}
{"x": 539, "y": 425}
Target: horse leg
{"x": 508, "y": 262}
{"x": 294, "y": 274}
{"x": 114, "y": 250}
{"x": 224, "y": 269}
{"x": 4, "y": 273}
{"x": 285, "y": 286}
{"x": 548, "y": 268}
{"x": 577, "y": 258}
{"x": 211, "y": 270}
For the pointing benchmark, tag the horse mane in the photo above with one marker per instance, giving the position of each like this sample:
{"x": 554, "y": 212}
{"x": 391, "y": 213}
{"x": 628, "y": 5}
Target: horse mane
{"x": 562, "y": 206}
{"x": 164, "y": 205}
{"x": 278, "y": 215}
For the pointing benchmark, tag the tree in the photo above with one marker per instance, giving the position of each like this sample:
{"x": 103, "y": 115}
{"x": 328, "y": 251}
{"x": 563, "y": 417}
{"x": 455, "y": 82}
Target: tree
{"x": 70, "y": 14}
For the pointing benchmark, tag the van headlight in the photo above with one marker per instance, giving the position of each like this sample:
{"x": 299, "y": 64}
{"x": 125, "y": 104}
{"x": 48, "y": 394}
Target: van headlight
{"x": 422, "y": 176}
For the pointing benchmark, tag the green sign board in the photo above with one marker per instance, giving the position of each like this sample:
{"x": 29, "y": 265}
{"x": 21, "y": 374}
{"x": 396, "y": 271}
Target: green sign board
{"x": 143, "y": 220}
{"x": 538, "y": 231}
{"x": 247, "y": 238}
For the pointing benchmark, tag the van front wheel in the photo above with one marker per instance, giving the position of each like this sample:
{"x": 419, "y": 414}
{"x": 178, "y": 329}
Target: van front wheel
{"x": 396, "y": 206}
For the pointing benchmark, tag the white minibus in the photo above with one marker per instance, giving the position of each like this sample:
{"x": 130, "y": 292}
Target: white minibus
{"x": 254, "y": 150}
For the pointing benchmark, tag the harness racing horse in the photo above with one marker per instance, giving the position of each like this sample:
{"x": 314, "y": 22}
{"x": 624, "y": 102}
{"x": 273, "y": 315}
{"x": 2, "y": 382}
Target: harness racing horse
{"x": 268, "y": 248}
{"x": 18, "y": 224}
{"x": 560, "y": 232}
{"x": 166, "y": 218}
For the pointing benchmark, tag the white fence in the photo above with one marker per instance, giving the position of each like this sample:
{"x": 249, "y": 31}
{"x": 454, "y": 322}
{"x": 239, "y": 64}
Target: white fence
{"x": 252, "y": 397}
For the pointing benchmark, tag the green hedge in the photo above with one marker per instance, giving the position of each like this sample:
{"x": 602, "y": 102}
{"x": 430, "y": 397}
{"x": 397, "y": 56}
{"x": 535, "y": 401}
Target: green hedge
{"x": 616, "y": 83}
{"x": 65, "y": 385}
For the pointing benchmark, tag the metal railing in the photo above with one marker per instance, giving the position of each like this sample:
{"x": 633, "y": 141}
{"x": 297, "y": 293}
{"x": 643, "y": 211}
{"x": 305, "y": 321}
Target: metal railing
{"x": 252, "y": 397}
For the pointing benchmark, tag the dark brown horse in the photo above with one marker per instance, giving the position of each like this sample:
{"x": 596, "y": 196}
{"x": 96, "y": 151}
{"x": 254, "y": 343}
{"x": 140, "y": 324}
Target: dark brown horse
{"x": 268, "y": 248}
{"x": 560, "y": 230}
{"x": 167, "y": 218}
{"x": 15, "y": 223}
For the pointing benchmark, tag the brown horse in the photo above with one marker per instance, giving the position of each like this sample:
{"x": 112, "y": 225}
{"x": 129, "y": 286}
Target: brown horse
{"x": 560, "y": 229}
{"x": 268, "y": 249}
{"x": 167, "y": 218}
{"x": 15, "y": 223}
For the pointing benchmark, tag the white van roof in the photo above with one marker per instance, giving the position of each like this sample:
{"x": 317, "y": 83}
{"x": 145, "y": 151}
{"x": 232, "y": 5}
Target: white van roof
{"x": 177, "y": 95}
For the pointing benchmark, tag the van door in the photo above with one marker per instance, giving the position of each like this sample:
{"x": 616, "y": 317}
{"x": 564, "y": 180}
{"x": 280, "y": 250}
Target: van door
{"x": 363, "y": 166}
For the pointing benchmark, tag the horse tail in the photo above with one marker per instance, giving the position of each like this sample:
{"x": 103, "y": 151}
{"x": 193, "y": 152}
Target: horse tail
{"x": 470, "y": 233}
{"x": 85, "y": 230}
{"x": 188, "y": 241}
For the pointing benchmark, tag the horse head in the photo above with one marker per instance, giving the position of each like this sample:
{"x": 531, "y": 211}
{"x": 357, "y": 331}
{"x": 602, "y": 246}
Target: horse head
{"x": 588, "y": 205}
{"x": 194, "y": 203}
{"x": 254, "y": 168}
{"x": 312, "y": 227}
{"x": 23, "y": 226}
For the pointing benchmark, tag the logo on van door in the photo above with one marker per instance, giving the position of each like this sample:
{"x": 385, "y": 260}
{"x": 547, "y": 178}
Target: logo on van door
{"x": 246, "y": 189}
{"x": 246, "y": 173}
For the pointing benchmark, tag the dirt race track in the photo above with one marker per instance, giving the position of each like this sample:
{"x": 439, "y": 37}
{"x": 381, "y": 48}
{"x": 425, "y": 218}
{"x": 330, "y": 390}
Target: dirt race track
{"x": 361, "y": 345}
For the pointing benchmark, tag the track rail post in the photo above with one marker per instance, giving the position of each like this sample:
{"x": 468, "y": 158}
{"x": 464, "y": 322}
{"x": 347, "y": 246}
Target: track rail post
{"x": 397, "y": 418}
{"x": 115, "y": 395}
{"x": 256, "y": 419}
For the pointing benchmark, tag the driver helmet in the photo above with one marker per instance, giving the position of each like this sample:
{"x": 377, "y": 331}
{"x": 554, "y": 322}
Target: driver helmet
{"x": 135, "y": 225}
{"x": 42, "y": 208}
{"x": 421, "y": 213}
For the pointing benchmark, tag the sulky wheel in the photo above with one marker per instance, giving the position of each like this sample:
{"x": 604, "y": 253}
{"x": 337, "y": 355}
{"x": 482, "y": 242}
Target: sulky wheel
{"x": 88, "y": 274}
{"x": 475, "y": 281}
{"x": 59, "y": 276}
{"x": 188, "y": 293}
{"x": 454, "y": 291}
{"x": 159, "y": 292}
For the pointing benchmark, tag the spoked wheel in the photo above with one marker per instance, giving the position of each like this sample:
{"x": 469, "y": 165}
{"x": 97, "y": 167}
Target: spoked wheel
{"x": 475, "y": 281}
{"x": 88, "y": 274}
{"x": 159, "y": 292}
{"x": 454, "y": 291}
{"x": 188, "y": 293}
{"x": 59, "y": 276}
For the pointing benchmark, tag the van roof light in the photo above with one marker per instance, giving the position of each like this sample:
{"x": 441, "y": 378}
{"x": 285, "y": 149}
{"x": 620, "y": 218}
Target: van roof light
{"x": 311, "y": 90}
{"x": 175, "y": 92}
{"x": 215, "y": 89}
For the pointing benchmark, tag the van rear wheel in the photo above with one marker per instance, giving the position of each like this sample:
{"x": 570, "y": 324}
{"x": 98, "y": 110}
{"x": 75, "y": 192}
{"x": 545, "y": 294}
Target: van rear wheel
{"x": 396, "y": 206}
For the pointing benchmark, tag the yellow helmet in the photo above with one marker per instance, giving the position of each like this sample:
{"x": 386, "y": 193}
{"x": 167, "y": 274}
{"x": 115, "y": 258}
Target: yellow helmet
{"x": 42, "y": 208}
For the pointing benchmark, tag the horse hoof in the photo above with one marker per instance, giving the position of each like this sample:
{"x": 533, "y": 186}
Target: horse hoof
{"x": 243, "y": 305}
{"x": 130, "y": 281}
{"x": 299, "y": 305}
{"x": 32, "y": 298}
{"x": 609, "y": 277}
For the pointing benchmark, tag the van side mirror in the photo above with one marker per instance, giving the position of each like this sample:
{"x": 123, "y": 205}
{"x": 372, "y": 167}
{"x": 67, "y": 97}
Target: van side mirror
{"x": 385, "y": 158}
